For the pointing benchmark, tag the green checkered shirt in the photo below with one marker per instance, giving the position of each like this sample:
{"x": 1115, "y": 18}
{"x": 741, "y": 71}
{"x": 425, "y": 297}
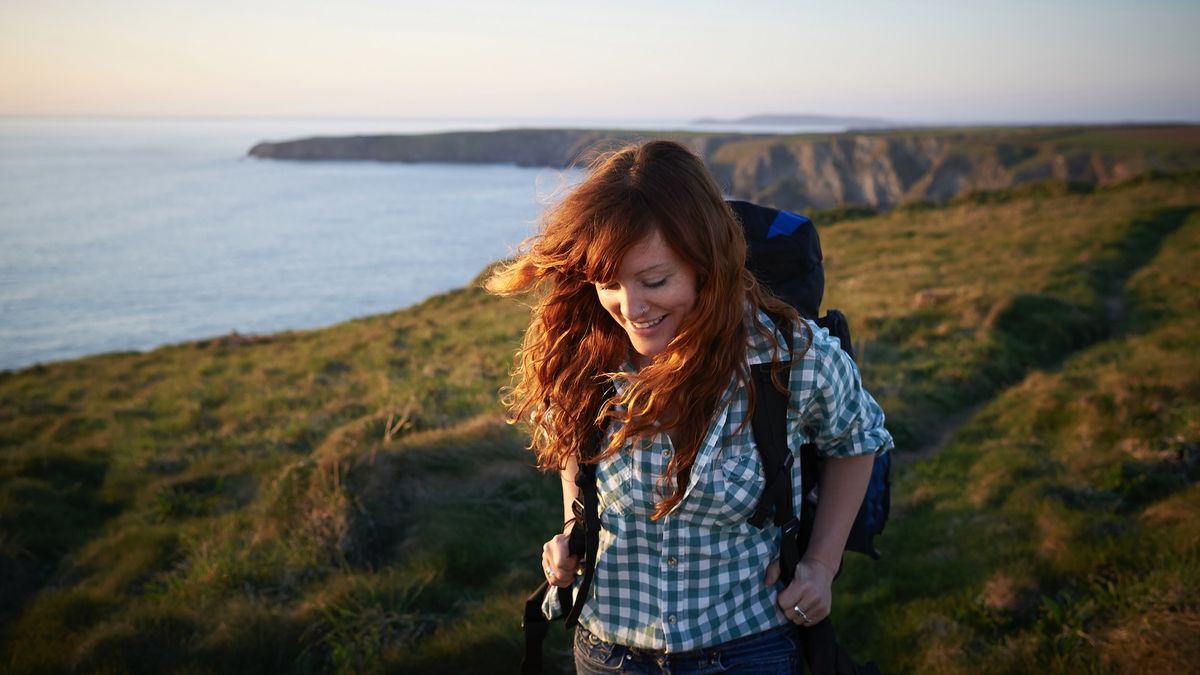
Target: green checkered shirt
{"x": 695, "y": 577}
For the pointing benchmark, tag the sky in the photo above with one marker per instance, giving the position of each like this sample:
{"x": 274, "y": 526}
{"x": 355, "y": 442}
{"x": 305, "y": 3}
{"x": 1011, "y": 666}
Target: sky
{"x": 934, "y": 61}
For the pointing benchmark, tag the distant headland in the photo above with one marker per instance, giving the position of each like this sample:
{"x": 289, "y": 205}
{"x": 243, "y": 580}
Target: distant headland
{"x": 771, "y": 120}
{"x": 878, "y": 169}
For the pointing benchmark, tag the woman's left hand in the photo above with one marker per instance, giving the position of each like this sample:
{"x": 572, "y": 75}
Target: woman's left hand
{"x": 811, "y": 591}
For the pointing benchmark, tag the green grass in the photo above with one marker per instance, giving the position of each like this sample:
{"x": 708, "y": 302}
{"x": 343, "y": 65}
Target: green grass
{"x": 349, "y": 500}
{"x": 1057, "y": 531}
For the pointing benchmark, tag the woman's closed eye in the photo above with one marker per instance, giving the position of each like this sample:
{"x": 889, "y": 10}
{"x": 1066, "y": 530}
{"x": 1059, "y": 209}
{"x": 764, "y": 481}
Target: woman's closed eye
{"x": 658, "y": 283}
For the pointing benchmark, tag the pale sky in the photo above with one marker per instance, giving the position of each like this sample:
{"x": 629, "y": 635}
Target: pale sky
{"x": 943, "y": 60}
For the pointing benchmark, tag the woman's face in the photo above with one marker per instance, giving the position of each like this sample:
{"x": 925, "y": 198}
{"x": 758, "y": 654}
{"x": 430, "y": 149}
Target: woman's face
{"x": 652, "y": 294}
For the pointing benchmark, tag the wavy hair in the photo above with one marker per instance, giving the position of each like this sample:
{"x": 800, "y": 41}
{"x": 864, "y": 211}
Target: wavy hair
{"x": 573, "y": 348}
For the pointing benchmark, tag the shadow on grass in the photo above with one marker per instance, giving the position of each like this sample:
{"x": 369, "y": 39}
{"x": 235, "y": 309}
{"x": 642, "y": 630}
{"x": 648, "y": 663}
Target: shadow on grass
{"x": 52, "y": 506}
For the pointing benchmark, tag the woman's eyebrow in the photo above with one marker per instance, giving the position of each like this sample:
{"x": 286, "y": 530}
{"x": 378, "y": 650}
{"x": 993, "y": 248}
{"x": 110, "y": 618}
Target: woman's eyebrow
{"x": 660, "y": 267}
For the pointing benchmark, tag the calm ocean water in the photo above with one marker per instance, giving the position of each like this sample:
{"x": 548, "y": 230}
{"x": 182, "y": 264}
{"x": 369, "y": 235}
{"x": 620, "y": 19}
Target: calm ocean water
{"x": 119, "y": 234}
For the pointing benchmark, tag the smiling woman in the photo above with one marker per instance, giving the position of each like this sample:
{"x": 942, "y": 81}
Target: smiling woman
{"x": 647, "y": 325}
{"x": 652, "y": 294}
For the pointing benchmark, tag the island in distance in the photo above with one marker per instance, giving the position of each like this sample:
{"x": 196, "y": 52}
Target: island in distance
{"x": 779, "y": 120}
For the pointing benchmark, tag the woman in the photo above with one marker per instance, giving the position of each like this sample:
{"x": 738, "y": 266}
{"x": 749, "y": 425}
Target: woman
{"x": 642, "y": 284}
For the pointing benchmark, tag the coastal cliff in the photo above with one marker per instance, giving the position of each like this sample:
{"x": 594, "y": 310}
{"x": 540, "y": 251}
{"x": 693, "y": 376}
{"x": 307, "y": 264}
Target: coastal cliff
{"x": 879, "y": 170}
{"x": 523, "y": 147}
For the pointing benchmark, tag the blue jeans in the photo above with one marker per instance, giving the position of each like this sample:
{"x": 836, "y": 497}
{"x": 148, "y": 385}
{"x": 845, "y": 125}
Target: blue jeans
{"x": 770, "y": 652}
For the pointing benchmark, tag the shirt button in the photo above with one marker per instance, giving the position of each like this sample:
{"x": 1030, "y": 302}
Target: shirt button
{"x": 671, "y": 619}
{"x": 671, "y": 562}
{"x": 667, "y": 452}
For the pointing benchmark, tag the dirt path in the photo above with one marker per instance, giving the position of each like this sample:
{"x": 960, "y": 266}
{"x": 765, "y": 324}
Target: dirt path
{"x": 945, "y": 432}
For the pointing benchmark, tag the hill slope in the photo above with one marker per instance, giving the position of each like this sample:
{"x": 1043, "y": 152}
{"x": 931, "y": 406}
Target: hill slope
{"x": 349, "y": 499}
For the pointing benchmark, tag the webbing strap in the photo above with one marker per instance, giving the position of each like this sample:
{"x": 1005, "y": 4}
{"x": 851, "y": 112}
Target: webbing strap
{"x": 535, "y": 624}
{"x": 769, "y": 426}
{"x": 586, "y": 480}
{"x": 587, "y": 522}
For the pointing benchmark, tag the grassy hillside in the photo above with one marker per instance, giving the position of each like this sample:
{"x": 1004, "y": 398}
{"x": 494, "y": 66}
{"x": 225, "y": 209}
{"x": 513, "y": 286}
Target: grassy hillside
{"x": 349, "y": 500}
{"x": 1057, "y": 529}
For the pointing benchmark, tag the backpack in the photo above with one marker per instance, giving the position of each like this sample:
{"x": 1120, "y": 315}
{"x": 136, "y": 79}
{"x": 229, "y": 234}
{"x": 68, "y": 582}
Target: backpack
{"x": 784, "y": 254}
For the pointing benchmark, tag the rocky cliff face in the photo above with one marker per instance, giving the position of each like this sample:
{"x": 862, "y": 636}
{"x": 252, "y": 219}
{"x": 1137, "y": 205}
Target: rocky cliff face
{"x": 886, "y": 170}
{"x": 877, "y": 170}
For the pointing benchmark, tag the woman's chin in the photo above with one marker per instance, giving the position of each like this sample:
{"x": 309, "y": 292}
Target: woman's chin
{"x": 644, "y": 353}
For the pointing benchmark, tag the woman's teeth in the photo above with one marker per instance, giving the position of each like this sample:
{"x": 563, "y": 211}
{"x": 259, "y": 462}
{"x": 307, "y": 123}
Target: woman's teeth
{"x": 648, "y": 324}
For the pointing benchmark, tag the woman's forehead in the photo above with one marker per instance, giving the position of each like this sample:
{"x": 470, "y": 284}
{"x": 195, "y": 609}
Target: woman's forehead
{"x": 647, "y": 255}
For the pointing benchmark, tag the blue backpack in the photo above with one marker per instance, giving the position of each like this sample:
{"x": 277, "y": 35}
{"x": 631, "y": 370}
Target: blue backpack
{"x": 785, "y": 256}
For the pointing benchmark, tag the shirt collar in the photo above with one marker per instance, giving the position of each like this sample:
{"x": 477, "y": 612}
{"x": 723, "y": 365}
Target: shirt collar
{"x": 760, "y": 349}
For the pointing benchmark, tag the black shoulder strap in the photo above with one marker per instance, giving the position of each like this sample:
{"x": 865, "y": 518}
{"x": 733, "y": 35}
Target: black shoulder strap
{"x": 585, "y": 540}
{"x": 822, "y": 653}
{"x": 589, "y": 509}
{"x": 769, "y": 426}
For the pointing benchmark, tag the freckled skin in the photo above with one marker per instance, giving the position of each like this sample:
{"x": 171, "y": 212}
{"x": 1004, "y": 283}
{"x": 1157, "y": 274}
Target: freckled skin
{"x": 653, "y": 293}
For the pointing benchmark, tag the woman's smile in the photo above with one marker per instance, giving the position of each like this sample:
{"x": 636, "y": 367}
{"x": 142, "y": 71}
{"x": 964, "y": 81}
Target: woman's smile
{"x": 647, "y": 325}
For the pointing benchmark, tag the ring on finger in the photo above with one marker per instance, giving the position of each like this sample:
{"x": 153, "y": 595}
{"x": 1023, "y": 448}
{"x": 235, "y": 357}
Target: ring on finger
{"x": 549, "y": 571}
{"x": 803, "y": 616}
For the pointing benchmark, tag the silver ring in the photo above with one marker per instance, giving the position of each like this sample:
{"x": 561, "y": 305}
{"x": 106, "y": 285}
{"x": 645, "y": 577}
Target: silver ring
{"x": 549, "y": 572}
{"x": 803, "y": 616}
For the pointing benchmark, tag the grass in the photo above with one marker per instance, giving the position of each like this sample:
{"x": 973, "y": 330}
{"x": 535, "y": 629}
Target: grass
{"x": 349, "y": 500}
{"x": 1057, "y": 530}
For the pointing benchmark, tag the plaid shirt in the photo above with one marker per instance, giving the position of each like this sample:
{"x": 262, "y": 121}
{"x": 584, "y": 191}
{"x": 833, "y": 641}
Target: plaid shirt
{"x": 695, "y": 577}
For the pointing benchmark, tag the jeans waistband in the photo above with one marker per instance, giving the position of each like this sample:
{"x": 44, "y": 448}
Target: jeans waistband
{"x": 702, "y": 654}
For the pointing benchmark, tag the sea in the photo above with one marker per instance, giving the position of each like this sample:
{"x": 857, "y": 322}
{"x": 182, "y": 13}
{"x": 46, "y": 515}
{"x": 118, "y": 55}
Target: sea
{"x": 121, "y": 234}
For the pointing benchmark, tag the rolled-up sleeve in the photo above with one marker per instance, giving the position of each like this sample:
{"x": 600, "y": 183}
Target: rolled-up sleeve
{"x": 837, "y": 413}
{"x": 552, "y": 609}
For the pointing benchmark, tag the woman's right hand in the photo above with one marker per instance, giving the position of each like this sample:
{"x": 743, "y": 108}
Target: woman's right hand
{"x": 558, "y": 565}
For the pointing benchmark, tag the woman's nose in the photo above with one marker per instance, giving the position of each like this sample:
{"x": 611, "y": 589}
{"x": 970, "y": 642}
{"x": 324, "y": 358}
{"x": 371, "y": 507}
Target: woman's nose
{"x": 632, "y": 306}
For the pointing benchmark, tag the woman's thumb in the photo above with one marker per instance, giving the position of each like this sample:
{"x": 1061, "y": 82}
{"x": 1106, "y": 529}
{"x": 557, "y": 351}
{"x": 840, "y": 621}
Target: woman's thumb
{"x": 772, "y": 573}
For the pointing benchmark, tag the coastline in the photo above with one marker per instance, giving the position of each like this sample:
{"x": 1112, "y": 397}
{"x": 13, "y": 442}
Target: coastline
{"x": 878, "y": 169}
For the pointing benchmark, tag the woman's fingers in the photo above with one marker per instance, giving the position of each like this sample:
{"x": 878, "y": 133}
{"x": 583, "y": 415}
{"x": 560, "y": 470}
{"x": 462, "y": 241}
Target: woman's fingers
{"x": 558, "y": 565}
{"x": 795, "y": 595}
{"x": 808, "y": 599}
{"x": 802, "y": 606}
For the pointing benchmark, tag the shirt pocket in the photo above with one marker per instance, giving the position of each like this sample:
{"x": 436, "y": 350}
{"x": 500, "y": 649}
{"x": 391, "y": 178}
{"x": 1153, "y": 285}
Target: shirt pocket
{"x": 741, "y": 486}
{"x": 615, "y": 486}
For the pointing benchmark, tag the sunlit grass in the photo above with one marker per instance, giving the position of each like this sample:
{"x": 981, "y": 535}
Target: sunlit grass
{"x": 350, "y": 500}
{"x": 1058, "y": 530}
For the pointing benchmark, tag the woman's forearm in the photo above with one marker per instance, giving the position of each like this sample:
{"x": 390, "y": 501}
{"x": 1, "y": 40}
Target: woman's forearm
{"x": 570, "y": 491}
{"x": 843, "y": 484}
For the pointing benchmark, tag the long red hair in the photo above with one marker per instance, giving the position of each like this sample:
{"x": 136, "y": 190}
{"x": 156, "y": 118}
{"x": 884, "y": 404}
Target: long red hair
{"x": 573, "y": 347}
